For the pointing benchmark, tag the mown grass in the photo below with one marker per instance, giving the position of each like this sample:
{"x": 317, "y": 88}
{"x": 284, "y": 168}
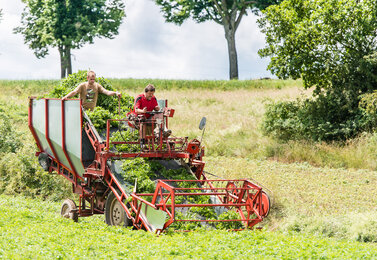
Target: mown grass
{"x": 317, "y": 188}
{"x": 32, "y": 229}
{"x": 338, "y": 203}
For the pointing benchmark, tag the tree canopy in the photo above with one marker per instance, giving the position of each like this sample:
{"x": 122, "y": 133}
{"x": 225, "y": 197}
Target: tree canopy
{"x": 67, "y": 25}
{"x": 227, "y": 13}
{"x": 324, "y": 42}
{"x": 332, "y": 46}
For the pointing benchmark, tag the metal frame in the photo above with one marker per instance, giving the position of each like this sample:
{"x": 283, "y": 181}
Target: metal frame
{"x": 243, "y": 196}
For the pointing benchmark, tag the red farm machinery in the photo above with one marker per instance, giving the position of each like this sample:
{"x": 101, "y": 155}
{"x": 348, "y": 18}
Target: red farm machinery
{"x": 70, "y": 145}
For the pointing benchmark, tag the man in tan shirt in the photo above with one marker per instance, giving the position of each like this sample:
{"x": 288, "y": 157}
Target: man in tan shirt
{"x": 88, "y": 92}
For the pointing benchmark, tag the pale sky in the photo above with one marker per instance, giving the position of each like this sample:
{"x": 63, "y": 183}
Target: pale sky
{"x": 146, "y": 47}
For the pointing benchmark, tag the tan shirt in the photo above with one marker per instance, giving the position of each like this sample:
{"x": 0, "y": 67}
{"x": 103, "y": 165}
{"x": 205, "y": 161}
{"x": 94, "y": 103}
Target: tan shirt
{"x": 89, "y": 94}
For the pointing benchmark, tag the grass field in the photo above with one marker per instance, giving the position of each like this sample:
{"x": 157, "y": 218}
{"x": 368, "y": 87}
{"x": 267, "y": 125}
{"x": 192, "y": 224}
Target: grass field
{"x": 319, "y": 190}
{"x": 31, "y": 229}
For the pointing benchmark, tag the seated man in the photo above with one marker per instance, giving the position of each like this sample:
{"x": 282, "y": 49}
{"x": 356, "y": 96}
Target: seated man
{"x": 147, "y": 102}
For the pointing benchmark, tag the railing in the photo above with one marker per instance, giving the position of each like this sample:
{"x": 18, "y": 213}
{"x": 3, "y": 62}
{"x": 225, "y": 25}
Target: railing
{"x": 233, "y": 204}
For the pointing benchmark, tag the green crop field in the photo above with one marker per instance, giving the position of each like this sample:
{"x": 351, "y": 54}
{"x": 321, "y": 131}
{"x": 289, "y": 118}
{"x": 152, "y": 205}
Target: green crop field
{"x": 324, "y": 194}
{"x": 32, "y": 229}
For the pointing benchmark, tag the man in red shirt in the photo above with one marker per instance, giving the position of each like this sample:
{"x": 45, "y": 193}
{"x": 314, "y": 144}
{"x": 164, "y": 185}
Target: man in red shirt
{"x": 147, "y": 102}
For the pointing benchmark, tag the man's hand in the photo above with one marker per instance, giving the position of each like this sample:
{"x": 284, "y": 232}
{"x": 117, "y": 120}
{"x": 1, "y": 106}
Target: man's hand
{"x": 118, "y": 94}
{"x": 157, "y": 108}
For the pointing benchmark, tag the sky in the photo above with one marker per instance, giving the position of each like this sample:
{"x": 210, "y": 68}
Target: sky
{"x": 146, "y": 47}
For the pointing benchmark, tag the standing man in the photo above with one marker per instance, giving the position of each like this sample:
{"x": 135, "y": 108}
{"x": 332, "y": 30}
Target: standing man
{"x": 88, "y": 92}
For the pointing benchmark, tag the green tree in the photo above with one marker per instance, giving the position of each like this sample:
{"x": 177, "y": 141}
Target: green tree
{"x": 67, "y": 25}
{"x": 331, "y": 45}
{"x": 227, "y": 13}
{"x": 324, "y": 42}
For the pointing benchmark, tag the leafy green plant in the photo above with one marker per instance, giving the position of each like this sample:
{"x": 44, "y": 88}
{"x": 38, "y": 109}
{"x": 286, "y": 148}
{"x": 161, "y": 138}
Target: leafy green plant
{"x": 125, "y": 135}
{"x": 9, "y": 138}
{"x": 99, "y": 117}
{"x": 138, "y": 169}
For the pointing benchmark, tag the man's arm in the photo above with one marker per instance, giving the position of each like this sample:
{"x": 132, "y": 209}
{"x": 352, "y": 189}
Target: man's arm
{"x": 109, "y": 92}
{"x": 72, "y": 93}
{"x": 140, "y": 111}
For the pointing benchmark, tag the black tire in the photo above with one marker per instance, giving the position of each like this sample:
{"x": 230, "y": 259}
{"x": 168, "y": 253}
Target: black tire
{"x": 69, "y": 210}
{"x": 115, "y": 215}
{"x": 44, "y": 161}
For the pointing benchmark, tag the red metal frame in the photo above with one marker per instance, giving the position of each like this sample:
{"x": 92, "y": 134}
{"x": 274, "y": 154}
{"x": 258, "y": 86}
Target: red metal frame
{"x": 243, "y": 196}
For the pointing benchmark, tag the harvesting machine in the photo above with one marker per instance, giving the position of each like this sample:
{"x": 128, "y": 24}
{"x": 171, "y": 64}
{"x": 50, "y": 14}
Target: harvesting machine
{"x": 70, "y": 145}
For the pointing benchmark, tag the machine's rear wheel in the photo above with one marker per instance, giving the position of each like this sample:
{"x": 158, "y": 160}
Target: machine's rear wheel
{"x": 265, "y": 204}
{"x": 115, "y": 215}
{"x": 69, "y": 210}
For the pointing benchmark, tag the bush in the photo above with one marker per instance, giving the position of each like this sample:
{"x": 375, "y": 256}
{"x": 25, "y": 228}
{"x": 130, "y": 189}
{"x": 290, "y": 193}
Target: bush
{"x": 368, "y": 107}
{"x": 19, "y": 170}
{"x": 325, "y": 118}
{"x": 9, "y": 137}
{"x": 20, "y": 174}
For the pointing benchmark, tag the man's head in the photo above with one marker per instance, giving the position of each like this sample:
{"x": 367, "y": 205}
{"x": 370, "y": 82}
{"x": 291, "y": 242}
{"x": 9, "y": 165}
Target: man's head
{"x": 149, "y": 91}
{"x": 91, "y": 76}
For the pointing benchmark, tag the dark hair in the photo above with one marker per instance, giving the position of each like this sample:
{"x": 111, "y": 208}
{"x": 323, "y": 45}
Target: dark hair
{"x": 149, "y": 88}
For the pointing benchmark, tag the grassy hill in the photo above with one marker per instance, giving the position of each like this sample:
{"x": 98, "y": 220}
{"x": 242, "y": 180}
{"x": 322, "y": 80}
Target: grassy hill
{"x": 319, "y": 190}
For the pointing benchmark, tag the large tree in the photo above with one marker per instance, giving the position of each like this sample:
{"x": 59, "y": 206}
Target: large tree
{"x": 327, "y": 43}
{"x": 227, "y": 13}
{"x": 332, "y": 46}
{"x": 67, "y": 25}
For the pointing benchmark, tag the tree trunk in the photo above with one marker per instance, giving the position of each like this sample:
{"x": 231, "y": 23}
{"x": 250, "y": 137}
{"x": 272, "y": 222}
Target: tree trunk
{"x": 65, "y": 61}
{"x": 230, "y": 36}
{"x": 62, "y": 62}
{"x": 69, "y": 61}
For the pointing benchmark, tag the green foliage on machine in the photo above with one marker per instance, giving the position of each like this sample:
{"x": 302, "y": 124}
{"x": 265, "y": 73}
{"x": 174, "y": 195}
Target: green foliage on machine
{"x": 125, "y": 136}
{"x": 145, "y": 170}
{"x": 142, "y": 171}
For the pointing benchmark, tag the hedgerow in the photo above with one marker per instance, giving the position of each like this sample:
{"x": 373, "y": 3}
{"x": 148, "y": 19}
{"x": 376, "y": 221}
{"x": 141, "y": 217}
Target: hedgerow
{"x": 325, "y": 118}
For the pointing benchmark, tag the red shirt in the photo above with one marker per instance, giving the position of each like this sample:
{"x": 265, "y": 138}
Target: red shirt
{"x": 141, "y": 101}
